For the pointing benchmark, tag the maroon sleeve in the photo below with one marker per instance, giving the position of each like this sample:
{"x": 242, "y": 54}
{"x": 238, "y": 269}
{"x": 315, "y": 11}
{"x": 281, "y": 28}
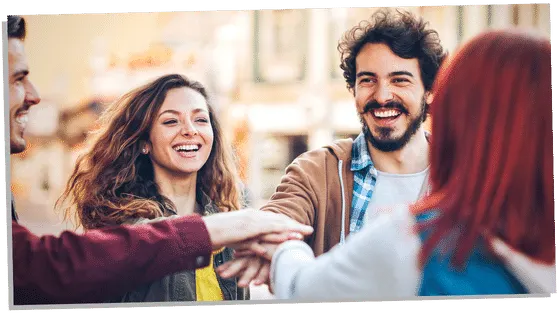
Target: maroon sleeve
{"x": 103, "y": 263}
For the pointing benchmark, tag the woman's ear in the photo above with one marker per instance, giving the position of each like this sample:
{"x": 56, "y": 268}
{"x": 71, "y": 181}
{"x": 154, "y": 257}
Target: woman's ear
{"x": 145, "y": 147}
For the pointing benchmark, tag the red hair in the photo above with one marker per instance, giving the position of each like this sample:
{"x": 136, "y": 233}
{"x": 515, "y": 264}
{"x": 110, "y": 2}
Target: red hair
{"x": 491, "y": 147}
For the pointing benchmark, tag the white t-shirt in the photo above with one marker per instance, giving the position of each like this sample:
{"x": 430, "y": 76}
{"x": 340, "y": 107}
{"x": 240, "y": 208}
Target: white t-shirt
{"x": 392, "y": 189}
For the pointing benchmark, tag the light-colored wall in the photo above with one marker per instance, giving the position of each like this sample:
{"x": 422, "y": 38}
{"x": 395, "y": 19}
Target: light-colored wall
{"x": 60, "y": 48}
{"x": 61, "y": 51}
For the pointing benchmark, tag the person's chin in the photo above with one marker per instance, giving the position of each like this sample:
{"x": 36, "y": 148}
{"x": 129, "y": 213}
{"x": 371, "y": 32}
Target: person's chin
{"x": 188, "y": 170}
{"x": 386, "y": 141}
{"x": 392, "y": 136}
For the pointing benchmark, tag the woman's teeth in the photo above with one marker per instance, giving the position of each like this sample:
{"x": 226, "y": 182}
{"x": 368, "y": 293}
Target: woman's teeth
{"x": 188, "y": 147}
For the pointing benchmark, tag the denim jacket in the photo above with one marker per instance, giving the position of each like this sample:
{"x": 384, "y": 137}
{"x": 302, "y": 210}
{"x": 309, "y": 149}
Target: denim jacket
{"x": 181, "y": 286}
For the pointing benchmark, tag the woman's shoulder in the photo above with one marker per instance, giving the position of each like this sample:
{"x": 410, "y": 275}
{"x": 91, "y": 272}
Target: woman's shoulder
{"x": 480, "y": 275}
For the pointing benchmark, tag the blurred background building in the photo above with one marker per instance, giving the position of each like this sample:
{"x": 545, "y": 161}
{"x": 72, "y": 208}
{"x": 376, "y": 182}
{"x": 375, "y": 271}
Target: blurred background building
{"x": 274, "y": 76}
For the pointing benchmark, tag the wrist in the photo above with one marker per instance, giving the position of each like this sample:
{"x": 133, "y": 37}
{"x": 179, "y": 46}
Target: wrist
{"x": 297, "y": 252}
{"x": 215, "y": 233}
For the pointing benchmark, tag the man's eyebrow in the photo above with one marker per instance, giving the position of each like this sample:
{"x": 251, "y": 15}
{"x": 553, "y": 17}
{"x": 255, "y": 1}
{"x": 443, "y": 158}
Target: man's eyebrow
{"x": 396, "y": 73}
{"x": 392, "y": 74}
{"x": 364, "y": 73}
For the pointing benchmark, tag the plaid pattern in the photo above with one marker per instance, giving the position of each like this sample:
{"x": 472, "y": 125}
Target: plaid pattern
{"x": 365, "y": 176}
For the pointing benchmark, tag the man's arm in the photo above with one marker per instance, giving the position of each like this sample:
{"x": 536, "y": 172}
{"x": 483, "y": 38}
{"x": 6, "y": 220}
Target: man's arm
{"x": 101, "y": 263}
{"x": 296, "y": 195}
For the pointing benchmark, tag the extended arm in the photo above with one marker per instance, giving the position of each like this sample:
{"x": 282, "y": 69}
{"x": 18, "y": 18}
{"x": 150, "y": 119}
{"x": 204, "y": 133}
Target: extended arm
{"x": 77, "y": 268}
{"x": 378, "y": 262}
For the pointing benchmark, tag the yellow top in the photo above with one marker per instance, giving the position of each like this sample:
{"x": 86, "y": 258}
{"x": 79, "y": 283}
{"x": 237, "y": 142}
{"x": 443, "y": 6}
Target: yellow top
{"x": 207, "y": 286}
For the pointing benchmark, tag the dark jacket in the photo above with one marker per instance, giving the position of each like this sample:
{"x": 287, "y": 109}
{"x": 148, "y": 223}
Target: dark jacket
{"x": 181, "y": 286}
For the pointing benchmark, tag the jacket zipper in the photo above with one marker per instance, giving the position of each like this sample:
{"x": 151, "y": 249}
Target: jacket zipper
{"x": 342, "y": 226}
{"x": 223, "y": 286}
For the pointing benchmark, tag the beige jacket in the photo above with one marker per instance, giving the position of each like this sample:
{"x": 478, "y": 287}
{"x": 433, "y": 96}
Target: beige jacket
{"x": 317, "y": 190}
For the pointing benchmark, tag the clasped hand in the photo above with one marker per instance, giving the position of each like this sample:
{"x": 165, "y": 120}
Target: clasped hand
{"x": 252, "y": 259}
{"x": 254, "y": 235}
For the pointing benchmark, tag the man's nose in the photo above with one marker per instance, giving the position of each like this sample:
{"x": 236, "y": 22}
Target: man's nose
{"x": 32, "y": 95}
{"x": 383, "y": 94}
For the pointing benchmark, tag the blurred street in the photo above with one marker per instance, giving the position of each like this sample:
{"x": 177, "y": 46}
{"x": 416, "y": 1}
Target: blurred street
{"x": 273, "y": 75}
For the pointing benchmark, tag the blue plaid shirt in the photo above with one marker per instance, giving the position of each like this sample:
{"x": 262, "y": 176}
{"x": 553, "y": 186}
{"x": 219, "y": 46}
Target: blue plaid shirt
{"x": 365, "y": 176}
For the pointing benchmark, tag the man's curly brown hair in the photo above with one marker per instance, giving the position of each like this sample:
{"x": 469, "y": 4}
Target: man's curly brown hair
{"x": 406, "y": 35}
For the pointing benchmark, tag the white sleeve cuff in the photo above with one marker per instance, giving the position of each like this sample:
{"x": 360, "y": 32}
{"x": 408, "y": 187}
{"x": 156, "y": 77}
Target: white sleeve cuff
{"x": 287, "y": 261}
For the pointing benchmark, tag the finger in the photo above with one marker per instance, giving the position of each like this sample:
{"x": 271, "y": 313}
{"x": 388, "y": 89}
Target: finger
{"x": 265, "y": 252}
{"x": 268, "y": 254}
{"x": 221, "y": 268}
{"x": 232, "y": 267}
{"x": 258, "y": 249}
{"x": 280, "y": 237}
{"x": 263, "y": 274}
{"x": 255, "y": 247}
{"x": 244, "y": 245}
{"x": 235, "y": 267}
{"x": 243, "y": 253}
{"x": 282, "y": 223}
{"x": 269, "y": 251}
{"x": 295, "y": 226}
{"x": 250, "y": 272}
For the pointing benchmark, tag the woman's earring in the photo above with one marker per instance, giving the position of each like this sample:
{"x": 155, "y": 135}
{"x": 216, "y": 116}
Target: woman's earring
{"x": 145, "y": 150}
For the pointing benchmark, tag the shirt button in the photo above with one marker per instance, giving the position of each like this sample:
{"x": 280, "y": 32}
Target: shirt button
{"x": 199, "y": 261}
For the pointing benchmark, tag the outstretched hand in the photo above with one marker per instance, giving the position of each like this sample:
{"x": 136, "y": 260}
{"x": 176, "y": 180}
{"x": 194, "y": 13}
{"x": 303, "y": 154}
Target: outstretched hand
{"x": 254, "y": 235}
{"x": 263, "y": 246}
{"x": 264, "y": 250}
{"x": 241, "y": 228}
{"x": 252, "y": 264}
{"x": 248, "y": 269}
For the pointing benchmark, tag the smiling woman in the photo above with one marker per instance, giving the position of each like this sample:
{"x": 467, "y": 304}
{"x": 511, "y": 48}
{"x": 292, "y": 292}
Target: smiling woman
{"x": 180, "y": 142}
{"x": 159, "y": 153}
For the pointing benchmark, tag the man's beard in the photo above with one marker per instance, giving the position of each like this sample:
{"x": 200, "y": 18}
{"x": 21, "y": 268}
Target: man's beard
{"x": 384, "y": 142}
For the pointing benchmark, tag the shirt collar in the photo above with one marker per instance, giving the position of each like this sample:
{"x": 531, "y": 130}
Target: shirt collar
{"x": 203, "y": 205}
{"x": 360, "y": 154}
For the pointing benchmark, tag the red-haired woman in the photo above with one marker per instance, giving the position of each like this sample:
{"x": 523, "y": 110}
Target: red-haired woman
{"x": 491, "y": 177}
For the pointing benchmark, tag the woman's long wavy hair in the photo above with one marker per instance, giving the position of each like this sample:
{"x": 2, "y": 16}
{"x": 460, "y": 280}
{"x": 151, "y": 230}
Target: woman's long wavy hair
{"x": 114, "y": 182}
{"x": 491, "y": 148}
